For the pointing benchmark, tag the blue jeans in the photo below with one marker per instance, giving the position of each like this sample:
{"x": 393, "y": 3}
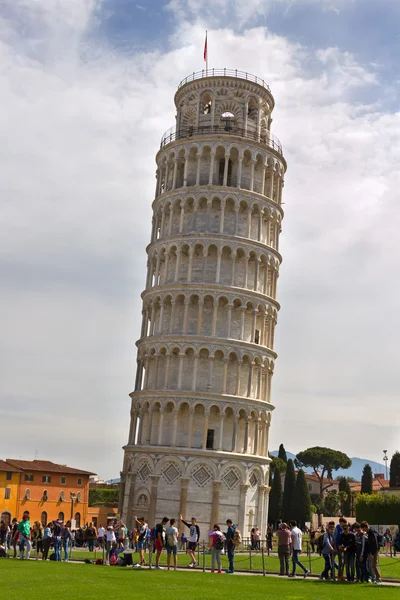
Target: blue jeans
{"x": 90, "y": 544}
{"x": 57, "y": 546}
{"x": 66, "y": 549}
{"x": 295, "y": 562}
{"x": 231, "y": 555}
{"x": 328, "y": 566}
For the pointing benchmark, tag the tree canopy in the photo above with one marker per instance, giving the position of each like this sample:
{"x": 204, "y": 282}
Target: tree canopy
{"x": 301, "y": 504}
{"x": 345, "y": 496}
{"x": 277, "y": 463}
{"x": 366, "y": 480}
{"x": 323, "y": 461}
{"x": 275, "y": 499}
{"x": 282, "y": 453}
{"x": 395, "y": 470}
{"x": 290, "y": 482}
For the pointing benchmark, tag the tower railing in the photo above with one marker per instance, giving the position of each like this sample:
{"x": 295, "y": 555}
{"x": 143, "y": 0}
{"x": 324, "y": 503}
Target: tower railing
{"x": 224, "y": 73}
{"x": 268, "y": 139}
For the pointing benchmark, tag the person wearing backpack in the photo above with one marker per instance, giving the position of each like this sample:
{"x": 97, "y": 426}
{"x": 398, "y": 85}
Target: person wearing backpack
{"x": 171, "y": 537}
{"x": 372, "y": 551}
{"x": 217, "y": 542}
{"x": 233, "y": 539}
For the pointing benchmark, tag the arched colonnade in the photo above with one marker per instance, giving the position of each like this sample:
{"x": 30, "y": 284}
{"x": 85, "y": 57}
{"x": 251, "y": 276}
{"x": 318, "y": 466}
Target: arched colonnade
{"x": 197, "y": 425}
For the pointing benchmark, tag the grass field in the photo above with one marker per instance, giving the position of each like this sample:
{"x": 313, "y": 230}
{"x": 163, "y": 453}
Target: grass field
{"x": 38, "y": 580}
{"x": 390, "y": 567}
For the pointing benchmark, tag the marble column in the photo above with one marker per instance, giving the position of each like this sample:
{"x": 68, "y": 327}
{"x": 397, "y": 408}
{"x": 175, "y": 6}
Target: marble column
{"x": 215, "y": 503}
{"x": 183, "y": 502}
{"x": 129, "y": 499}
{"x": 153, "y": 498}
{"x": 242, "y": 508}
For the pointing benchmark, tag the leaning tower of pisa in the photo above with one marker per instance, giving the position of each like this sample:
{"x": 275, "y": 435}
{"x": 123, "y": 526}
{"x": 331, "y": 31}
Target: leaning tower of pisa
{"x": 201, "y": 409}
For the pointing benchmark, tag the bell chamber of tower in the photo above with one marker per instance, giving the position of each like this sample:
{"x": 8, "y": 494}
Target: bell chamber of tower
{"x": 201, "y": 408}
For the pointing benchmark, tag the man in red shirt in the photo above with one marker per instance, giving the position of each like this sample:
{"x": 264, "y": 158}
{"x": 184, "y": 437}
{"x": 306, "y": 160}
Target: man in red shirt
{"x": 284, "y": 546}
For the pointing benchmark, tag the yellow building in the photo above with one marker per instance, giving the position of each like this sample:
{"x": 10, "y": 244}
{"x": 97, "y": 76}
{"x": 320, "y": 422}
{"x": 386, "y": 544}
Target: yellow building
{"x": 9, "y": 484}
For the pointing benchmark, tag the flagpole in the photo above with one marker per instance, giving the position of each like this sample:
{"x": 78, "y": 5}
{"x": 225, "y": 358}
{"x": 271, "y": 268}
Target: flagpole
{"x": 206, "y": 54}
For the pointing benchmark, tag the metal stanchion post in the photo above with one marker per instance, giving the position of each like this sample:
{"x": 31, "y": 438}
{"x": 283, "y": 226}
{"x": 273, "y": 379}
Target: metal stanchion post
{"x": 251, "y": 562}
{"x": 150, "y": 555}
{"x": 333, "y": 567}
{"x": 204, "y": 558}
{"x": 198, "y": 553}
{"x": 309, "y": 555}
{"x": 263, "y": 560}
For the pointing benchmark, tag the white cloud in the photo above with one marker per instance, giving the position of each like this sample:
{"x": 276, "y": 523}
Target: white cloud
{"x": 82, "y": 126}
{"x": 236, "y": 13}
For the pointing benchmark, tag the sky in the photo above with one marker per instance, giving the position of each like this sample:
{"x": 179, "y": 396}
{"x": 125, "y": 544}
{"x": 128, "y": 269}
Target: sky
{"x": 87, "y": 91}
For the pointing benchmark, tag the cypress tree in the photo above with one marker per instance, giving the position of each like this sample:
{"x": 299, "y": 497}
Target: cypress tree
{"x": 366, "y": 480}
{"x": 282, "y": 453}
{"x": 290, "y": 482}
{"x": 301, "y": 506}
{"x": 395, "y": 470}
{"x": 344, "y": 487}
{"x": 275, "y": 499}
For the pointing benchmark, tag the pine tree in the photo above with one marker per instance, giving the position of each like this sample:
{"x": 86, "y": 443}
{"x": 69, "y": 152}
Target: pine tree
{"x": 366, "y": 480}
{"x": 395, "y": 470}
{"x": 275, "y": 499}
{"x": 290, "y": 482}
{"x": 282, "y": 453}
{"x": 301, "y": 506}
{"x": 346, "y": 496}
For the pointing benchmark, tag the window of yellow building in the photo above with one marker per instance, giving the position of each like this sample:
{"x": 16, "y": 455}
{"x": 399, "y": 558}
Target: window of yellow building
{"x": 7, "y": 493}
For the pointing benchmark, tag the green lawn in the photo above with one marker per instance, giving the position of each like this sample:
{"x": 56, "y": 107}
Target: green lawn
{"x": 390, "y": 567}
{"x": 38, "y": 580}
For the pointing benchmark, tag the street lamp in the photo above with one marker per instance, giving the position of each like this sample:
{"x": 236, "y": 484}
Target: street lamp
{"x": 385, "y": 459}
{"x": 73, "y": 498}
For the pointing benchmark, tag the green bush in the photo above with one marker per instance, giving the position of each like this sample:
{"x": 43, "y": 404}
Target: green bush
{"x": 103, "y": 496}
{"x": 378, "y": 509}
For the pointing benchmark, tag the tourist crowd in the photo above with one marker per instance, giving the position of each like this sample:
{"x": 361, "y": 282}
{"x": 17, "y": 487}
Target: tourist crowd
{"x": 351, "y": 550}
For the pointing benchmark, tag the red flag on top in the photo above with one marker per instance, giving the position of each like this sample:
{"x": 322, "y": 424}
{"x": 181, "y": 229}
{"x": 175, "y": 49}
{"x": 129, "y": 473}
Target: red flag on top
{"x": 205, "y": 48}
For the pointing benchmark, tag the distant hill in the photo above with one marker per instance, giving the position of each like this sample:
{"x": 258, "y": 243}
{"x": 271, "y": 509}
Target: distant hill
{"x": 355, "y": 470}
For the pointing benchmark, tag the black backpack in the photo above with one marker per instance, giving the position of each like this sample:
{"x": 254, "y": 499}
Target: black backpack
{"x": 219, "y": 542}
{"x": 320, "y": 542}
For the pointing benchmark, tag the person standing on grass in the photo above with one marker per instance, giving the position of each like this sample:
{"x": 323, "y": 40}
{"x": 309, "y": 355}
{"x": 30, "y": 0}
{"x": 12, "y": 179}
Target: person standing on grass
{"x": 141, "y": 535}
{"x": 101, "y": 532}
{"x": 348, "y": 547}
{"x": 46, "y": 542}
{"x": 37, "y": 538}
{"x": 90, "y": 536}
{"x": 388, "y": 540}
{"x": 217, "y": 542}
{"x": 269, "y": 537}
{"x": 171, "y": 536}
{"x": 66, "y": 541}
{"x": 371, "y": 550}
{"x": 160, "y": 540}
{"x": 297, "y": 541}
{"x": 284, "y": 548}
{"x": 327, "y": 551}
{"x": 25, "y": 544}
{"x": 14, "y": 536}
{"x": 58, "y": 527}
{"x": 230, "y": 545}
{"x": 337, "y": 536}
{"x": 193, "y": 539}
{"x": 359, "y": 548}
{"x": 110, "y": 540}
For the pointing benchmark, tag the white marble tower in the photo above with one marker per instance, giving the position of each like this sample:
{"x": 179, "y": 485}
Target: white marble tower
{"x": 201, "y": 409}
